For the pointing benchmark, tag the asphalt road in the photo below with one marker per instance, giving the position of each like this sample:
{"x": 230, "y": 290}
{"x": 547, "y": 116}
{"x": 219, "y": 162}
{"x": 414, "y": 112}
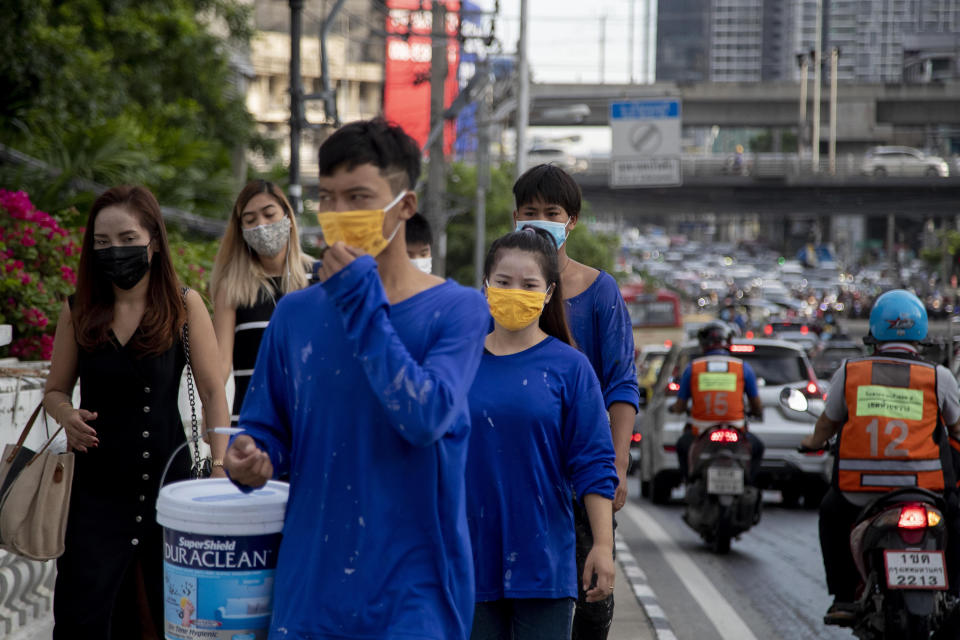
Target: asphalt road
{"x": 770, "y": 585}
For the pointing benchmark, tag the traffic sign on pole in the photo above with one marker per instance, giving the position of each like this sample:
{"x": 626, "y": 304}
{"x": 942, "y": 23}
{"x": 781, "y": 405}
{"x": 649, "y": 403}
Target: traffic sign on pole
{"x": 646, "y": 143}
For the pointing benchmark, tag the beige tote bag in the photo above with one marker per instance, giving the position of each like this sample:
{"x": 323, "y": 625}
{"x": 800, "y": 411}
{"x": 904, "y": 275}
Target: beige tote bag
{"x": 34, "y": 498}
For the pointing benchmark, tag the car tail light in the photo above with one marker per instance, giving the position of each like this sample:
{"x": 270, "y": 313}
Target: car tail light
{"x": 913, "y": 516}
{"x": 673, "y": 387}
{"x": 804, "y": 330}
{"x": 668, "y": 343}
{"x": 768, "y": 330}
{"x": 749, "y": 335}
{"x": 670, "y": 448}
{"x": 637, "y": 437}
{"x": 742, "y": 348}
{"x": 725, "y": 435}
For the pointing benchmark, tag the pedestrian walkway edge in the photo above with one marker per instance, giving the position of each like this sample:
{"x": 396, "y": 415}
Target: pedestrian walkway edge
{"x": 643, "y": 592}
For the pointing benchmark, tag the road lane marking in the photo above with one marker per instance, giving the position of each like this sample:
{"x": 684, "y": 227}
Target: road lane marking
{"x": 724, "y": 617}
{"x": 642, "y": 591}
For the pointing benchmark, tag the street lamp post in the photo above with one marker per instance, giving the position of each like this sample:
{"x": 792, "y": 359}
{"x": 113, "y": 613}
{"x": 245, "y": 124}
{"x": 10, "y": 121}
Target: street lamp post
{"x": 832, "y": 149}
{"x": 804, "y": 64}
{"x": 818, "y": 56}
{"x": 523, "y": 92}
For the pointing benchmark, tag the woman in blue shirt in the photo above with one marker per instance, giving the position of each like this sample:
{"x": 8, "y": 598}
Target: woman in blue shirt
{"x": 539, "y": 429}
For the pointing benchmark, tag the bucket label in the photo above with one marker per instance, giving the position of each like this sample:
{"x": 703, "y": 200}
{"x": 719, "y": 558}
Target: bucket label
{"x": 218, "y": 587}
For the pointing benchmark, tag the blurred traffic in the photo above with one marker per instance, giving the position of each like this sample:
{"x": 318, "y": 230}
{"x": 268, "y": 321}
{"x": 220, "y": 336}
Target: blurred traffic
{"x": 794, "y": 318}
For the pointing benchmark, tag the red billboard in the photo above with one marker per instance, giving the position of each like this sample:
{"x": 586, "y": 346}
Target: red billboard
{"x": 406, "y": 90}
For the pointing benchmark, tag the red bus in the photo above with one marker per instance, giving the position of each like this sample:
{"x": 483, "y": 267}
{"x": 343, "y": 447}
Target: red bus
{"x": 657, "y": 316}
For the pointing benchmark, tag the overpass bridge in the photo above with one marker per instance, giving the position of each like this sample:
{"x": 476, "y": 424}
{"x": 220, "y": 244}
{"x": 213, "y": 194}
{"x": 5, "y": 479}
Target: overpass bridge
{"x": 775, "y": 186}
{"x": 867, "y": 113}
{"x": 781, "y": 202}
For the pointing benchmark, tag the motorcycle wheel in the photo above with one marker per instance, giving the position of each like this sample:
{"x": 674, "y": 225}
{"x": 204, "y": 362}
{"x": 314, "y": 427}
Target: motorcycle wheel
{"x": 721, "y": 543}
{"x": 900, "y": 625}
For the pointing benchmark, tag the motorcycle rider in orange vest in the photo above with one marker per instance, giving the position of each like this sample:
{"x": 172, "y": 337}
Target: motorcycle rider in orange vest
{"x": 894, "y": 413}
{"x": 717, "y": 384}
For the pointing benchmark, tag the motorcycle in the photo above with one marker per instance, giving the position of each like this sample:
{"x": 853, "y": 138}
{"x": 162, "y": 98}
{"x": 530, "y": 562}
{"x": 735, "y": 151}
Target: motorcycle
{"x": 898, "y": 543}
{"x": 720, "y": 505}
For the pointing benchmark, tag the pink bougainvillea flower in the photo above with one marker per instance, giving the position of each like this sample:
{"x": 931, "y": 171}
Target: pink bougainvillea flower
{"x": 68, "y": 274}
{"x": 17, "y": 203}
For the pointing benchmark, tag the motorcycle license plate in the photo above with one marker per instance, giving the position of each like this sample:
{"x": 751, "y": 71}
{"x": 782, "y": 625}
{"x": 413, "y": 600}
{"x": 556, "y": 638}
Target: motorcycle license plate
{"x": 915, "y": 569}
{"x": 725, "y": 480}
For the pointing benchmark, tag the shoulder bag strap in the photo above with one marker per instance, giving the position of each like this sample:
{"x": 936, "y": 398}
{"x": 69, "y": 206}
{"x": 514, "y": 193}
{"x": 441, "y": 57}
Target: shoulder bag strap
{"x": 194, "y": 426}
{"x": 25, "y": 433}
{"x": 44, "y": 447}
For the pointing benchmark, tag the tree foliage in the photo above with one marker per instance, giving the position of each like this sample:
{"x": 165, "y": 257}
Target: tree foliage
{"x": 137, "y": 91}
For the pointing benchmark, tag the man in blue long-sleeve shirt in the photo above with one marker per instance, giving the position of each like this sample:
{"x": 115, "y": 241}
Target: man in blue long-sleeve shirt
{"x": 360, "y": 394}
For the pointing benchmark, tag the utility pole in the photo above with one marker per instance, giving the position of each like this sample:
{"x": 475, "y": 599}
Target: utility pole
{"x": 651, "y": 40}
{"x": 832, "y": 145}
{"x": 817, "y": 66}
{"x": 523, "y": 92}
{"x": 294, "y": 189}
{"x": 802, "y": 127}
{"x": 436, "y": 175}
{"x": 631, "y": 39}
{"x": 484, "y": 126}
{"x": 603, "y": 49}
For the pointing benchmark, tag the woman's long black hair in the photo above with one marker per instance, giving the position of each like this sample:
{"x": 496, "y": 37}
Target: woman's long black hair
{"x": 553, "y": 320}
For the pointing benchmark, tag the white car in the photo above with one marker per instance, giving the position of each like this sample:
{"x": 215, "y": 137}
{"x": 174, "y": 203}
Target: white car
{"x": 552, "y": 155}
{"x": 903, "y": 161}
{"x": 778, "y": 364}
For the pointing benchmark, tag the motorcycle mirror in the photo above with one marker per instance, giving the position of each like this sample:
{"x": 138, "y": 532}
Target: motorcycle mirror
{"x": 794, "y": 400}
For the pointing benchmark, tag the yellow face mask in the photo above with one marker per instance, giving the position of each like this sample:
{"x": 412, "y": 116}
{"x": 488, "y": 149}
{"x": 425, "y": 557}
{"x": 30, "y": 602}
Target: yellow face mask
{"x": 361, "y": 228}
{"x": 515, "y": 309}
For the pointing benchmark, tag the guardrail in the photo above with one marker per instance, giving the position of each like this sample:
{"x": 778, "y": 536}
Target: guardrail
{"x": 759, "y": 166}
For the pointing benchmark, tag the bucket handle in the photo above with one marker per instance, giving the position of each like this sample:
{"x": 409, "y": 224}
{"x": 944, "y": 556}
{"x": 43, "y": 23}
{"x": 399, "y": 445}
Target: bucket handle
{"x": 225, "y": 430}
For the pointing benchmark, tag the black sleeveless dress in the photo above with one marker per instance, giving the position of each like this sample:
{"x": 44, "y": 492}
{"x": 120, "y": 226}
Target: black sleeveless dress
{"x": 112, "y": 535}
{"x": 248, "y": 330}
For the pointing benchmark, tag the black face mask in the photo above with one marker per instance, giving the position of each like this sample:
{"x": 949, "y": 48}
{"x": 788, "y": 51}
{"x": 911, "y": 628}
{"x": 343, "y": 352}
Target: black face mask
{"x": 123, "y": 266}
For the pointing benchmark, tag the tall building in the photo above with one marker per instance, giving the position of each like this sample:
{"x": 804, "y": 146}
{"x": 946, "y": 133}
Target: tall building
{"x": 724, "y": 40}
{"x": 683, "y": 41}
{"x": 355, "y": 51}
{"x": 759, "y": 40}
{"x": 883, "y": 40}
{"x": 736, "y": 40}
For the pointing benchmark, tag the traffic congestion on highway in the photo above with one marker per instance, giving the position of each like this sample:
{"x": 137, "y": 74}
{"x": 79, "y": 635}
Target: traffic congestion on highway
{"x": 793, "y": 321}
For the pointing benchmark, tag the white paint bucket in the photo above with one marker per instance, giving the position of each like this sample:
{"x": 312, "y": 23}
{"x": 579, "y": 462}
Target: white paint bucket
{"x": 220, "y": 550}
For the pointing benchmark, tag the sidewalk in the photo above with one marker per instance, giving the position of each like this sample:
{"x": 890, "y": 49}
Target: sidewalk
{"x": 630, "y": 622}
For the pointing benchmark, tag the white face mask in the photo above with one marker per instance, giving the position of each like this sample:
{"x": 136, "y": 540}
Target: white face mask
{"x": 424, "y": 264}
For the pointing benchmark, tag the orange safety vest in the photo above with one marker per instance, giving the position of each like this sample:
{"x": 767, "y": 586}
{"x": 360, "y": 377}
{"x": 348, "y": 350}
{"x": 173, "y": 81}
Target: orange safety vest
{"x": 716, "y": 389}
{"x": 890, "y": 438}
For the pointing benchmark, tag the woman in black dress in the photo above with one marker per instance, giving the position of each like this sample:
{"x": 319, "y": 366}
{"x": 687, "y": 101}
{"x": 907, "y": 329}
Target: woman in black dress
{"x": 259, "y": 260}
{"x": 120, "y": 334}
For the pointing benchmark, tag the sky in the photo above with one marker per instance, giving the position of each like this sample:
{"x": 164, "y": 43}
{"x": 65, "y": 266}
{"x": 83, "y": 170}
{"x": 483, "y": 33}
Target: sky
{"x": 565, "y": 38}
{"x": 564, "y": 47}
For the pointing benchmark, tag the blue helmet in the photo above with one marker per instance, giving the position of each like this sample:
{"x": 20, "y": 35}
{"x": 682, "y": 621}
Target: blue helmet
{"x": 898, "y": 316}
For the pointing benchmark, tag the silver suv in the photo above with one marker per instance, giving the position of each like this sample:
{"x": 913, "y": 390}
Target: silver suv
{"x": 778, "y": 364}
{"x": 903, "y": 161}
